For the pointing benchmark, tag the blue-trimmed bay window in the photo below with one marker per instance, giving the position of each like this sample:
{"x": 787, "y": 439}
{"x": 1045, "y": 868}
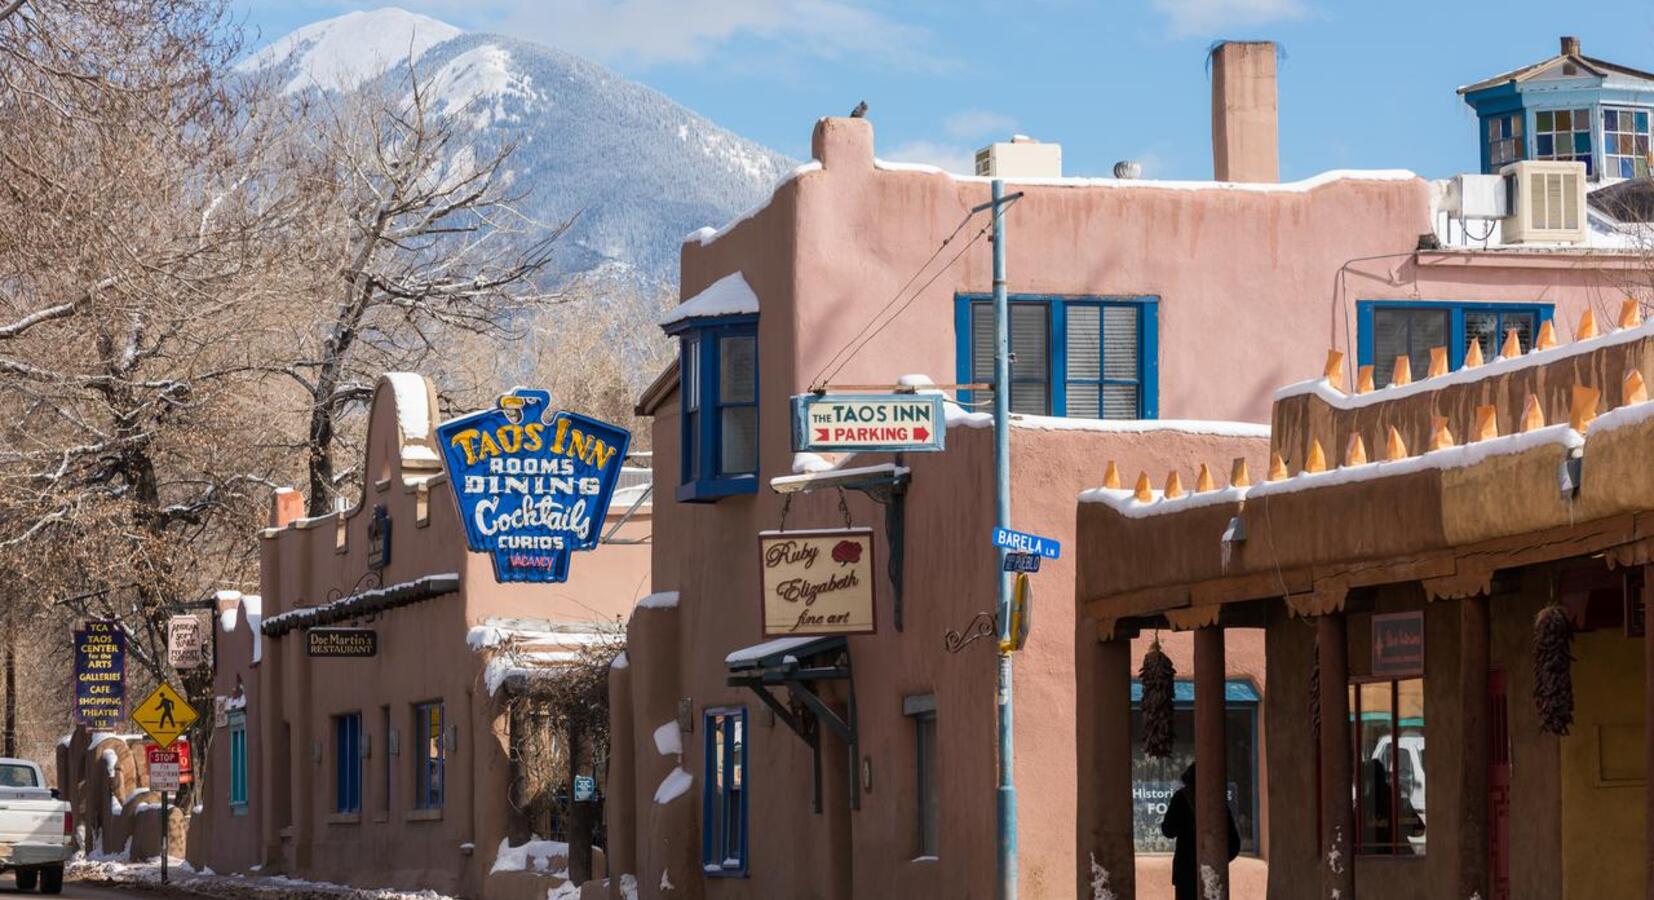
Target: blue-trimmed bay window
{"x": 1387, "y": 329}
{"x": 718, "y": 387}
{"x": 1082, "y": 357}
{"x": 724, "y": 796}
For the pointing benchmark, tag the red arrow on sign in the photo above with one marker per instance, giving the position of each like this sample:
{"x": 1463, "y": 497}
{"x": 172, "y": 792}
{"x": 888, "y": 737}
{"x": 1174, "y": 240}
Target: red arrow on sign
{"x": 822, "y": 434}
{"x": 920, "y": 434}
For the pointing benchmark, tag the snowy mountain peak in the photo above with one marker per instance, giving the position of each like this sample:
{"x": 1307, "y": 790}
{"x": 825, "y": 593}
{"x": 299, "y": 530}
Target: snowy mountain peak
{"x": 345, "y": 52}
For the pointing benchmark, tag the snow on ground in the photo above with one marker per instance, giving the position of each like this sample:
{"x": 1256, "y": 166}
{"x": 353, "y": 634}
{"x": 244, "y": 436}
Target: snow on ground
{"x": 99, "y": 868}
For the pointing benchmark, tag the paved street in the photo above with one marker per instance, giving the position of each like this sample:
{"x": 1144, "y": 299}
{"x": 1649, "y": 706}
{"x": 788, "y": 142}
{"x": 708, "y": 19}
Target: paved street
{"x": 82, "y": 891}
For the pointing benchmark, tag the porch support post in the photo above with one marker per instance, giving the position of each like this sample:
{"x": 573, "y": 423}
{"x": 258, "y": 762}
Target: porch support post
{"x": 1337, "y": 802}
{"x": 1648, "y": 726}
{"x": 1473, "y": 758}
{"x": 1106, "y": 856}
{"x": 1211, "y": 768}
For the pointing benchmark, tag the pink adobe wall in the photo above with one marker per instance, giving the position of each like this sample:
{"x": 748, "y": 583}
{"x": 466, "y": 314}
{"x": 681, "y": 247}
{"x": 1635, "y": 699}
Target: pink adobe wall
{"x": 423, "y": 656}
{"x": 1245, "y": 277}
{"x": 219, "y": 838}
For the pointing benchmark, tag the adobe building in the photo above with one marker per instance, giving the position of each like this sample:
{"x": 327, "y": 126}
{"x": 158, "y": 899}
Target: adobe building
{"x": 1147, "y": 319}
{"x": 1460, "y": 560}
{"x": 386, "y": 761}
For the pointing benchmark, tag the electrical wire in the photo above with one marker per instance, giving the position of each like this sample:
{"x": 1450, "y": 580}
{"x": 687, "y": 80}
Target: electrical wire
{"x": 916, "y": 294}
{"x": 894, "y": 297}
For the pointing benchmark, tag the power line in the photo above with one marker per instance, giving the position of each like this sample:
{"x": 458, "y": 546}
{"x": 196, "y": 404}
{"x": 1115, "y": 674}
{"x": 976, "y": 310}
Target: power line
{"x": 835, "y": 358}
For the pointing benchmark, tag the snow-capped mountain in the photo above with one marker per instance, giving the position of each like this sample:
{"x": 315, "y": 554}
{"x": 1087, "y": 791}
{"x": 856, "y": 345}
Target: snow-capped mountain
{"x": 637, "y": 170}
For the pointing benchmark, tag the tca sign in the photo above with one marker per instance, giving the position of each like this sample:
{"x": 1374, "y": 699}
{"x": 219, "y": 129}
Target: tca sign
{"x": 532, "y": 485}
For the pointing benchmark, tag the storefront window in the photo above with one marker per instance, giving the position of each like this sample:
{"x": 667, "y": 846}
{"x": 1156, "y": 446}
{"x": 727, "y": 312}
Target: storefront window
{"x": 1388, "y": 722}
{"x": 1153, "y": 781}
{"x": 724, "y": 807}
{"x": 430, "y": 755}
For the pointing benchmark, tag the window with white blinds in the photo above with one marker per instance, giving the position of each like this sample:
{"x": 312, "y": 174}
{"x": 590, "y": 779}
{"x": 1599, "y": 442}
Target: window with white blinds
{"x": 1390, "y": 329}
{"x": 1081, "y": 358}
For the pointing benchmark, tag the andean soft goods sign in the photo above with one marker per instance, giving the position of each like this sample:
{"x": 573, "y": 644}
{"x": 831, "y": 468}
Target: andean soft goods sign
{"x": 532, "y": 486}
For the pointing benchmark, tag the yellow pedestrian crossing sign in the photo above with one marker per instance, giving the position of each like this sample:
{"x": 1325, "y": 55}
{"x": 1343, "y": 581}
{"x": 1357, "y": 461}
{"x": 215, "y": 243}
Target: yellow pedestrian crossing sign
{"x": 164, "y": 715}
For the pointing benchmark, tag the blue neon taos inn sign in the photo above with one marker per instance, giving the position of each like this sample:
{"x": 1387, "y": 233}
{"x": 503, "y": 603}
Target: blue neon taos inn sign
{"x": 532, "y": 487}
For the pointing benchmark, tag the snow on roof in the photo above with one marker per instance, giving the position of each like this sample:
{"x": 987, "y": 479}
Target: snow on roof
{"x": 1458, "y": 457}
{"x": 728, "y": 296}
{"x": 345, "y": 52}
{"x": 659, "y": 600}
{"x": 835, "y": 475}
{"x": 707, "y": 235}
{"x": 1322, "y": 388}
{"x": 1067, "y": 181}
{"x": 413, "y": 408}
{"x": 767, "y": 648}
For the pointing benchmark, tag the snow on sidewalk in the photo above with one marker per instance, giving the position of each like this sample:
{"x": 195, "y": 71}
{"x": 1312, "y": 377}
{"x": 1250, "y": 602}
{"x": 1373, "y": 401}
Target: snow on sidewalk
{"x": 99, "y": 868}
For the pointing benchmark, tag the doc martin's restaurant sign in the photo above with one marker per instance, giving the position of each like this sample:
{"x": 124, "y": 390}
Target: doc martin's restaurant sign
{"x": 817, "y": 582}
{"x": 532, "y": 486}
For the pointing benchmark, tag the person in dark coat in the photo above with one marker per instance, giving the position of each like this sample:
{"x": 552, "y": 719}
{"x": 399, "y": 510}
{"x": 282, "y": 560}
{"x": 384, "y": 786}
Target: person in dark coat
{"x": 1179, "y": 825}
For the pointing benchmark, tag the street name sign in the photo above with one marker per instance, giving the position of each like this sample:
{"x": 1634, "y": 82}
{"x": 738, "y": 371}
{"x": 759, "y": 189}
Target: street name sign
{"x": 164, "y": 715}
{"x": 889, "y": 423}
{"x": 1022, "y": 562}
{"x": 1022, "y": 542}
{"x": 166, "y": 769}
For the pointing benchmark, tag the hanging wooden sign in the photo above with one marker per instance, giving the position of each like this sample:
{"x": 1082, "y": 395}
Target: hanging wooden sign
{"x": 817, "y": 582}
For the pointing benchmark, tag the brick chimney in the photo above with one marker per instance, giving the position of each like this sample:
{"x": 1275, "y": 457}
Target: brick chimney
{"x": 1570, "y": 45}
{"x": 1245, "y": 112}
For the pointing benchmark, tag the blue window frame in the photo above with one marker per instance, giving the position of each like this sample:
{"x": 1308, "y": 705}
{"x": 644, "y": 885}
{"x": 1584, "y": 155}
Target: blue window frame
{"x": 238, "y": 763}
{"x": 724, "y": 795}
{"x": 1387, "y": 329}
{"x": 347, "y": 763}
{"x": 430, "y": 756}
{"x": 1080, "y": 357}
{"x": 1564, "y": 134}
{"x": 718, "y": 390}
{"x": 1625, "y": 142}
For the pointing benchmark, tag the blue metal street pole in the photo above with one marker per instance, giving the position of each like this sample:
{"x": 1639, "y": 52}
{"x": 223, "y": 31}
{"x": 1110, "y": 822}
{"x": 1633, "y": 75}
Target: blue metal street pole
{"x": 1006, "y": 797}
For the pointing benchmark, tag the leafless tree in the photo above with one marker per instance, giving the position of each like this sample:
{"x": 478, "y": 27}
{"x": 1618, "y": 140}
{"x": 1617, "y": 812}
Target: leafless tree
{"x": 419, "y": 239}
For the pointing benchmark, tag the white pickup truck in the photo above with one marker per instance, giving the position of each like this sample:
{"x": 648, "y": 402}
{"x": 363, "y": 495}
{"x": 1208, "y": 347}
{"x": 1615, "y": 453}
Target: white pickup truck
{"x": 36, "y": 828}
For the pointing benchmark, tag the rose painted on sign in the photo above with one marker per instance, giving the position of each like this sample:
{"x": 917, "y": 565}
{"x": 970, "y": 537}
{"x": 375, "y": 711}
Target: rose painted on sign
{"x": 847, "y": 553}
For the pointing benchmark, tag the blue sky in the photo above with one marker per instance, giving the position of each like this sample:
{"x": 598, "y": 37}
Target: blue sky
{"x": 1366, "y": 84}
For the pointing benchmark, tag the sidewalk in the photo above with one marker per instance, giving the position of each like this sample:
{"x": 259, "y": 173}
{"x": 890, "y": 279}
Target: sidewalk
{"x": 183, "y": 879}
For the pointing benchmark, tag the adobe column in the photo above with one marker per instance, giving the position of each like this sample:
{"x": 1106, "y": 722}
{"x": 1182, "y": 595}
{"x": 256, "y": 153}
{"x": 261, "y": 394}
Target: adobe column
{"x": 1211, "y": 767}
{"x": 1473, "y": 758}
{"x": 1337, "y": 798}
{"x": 1648, "y": 728}
{"x": 1106, "y": 861}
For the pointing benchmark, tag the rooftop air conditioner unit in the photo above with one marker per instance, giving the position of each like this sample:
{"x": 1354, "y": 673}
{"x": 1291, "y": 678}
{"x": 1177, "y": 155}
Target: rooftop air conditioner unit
{"x": 1020, "y": 157}
{"x": 1546, "y": 201}
{"x": 1476, "y": 197}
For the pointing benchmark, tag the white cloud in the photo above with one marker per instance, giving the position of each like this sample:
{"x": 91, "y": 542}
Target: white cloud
{"x": 953, "y": 158}
{"x": 975, "y": 123}
{"x": 1206, "y": 18}
{"x": 688, "y": 32}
